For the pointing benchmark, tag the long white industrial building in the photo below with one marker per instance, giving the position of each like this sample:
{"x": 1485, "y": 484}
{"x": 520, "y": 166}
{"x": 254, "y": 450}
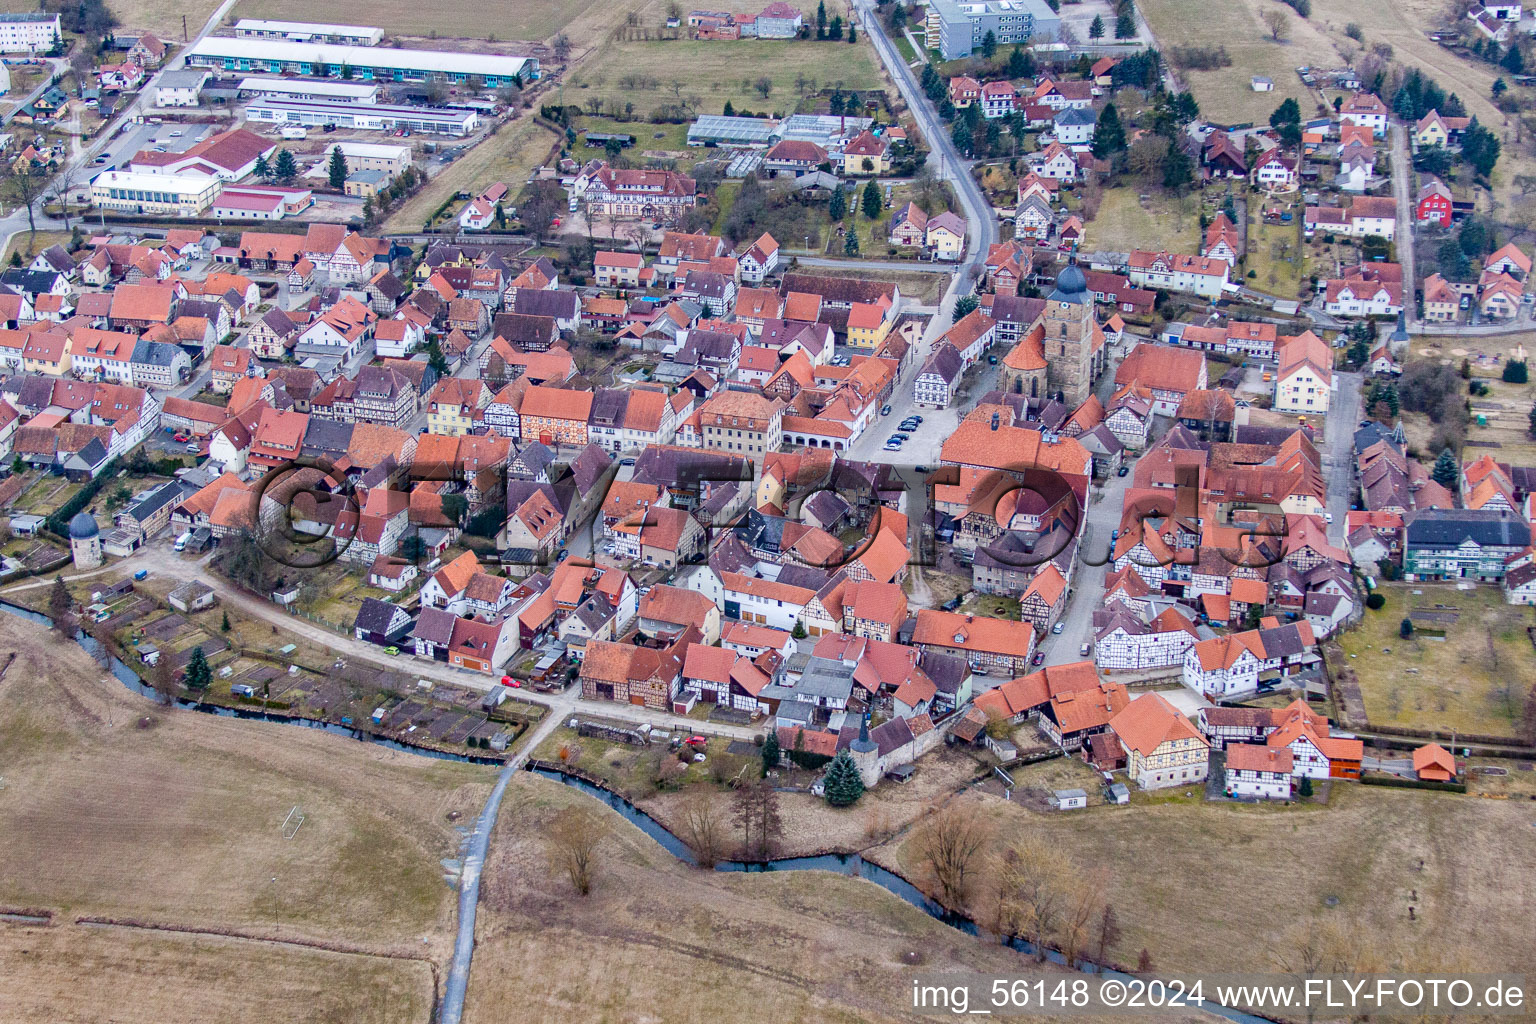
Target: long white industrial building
{"x": 363, "y": 116}
{"x": 366, "y": 63}
{"x": 309, "y": 32}
{"x": 309, "y": 89}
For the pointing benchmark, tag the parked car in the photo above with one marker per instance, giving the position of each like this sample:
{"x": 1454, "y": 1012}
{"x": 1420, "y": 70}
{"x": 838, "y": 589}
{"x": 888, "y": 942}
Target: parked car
{"x": 885, "y": 410}
{"x": 1122, "y": 471}
{"x": 892, "y": 446}
{"x": 915, "y": 418}
{"x": 1056, "y": 629}
{"x": 1038, "y": 659}
{"x": 392, "y": 651}
{"x": 991, "y": 360}
{"x": 141, "y": 575}
{"x": 1083, "y": 650}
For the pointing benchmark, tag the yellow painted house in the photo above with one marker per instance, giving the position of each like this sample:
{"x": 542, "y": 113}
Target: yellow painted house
{"x": 870, "y": 322}
{"x": 46, "y": 352}
{"x": 454, "y": 405}
{"x": 866, "y": 148}
{"x": 946, "y": 236}
{"x": 1433, "y": 129}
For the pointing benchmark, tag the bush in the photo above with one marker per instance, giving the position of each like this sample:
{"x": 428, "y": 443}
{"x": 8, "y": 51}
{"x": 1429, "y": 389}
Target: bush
{"x": 1200, "y": 58}
{"x": 1375, "y": 602}
{"x": 1515, "y": 372}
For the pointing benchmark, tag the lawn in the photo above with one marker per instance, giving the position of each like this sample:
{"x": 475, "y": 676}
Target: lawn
{"x": 73, "y": 972}
{"x": 1506, "y": 409}
{"x": 710, "y": 73}
{"x": 29, "y": 244}
{"x": 113, "y": 807}
{"x": 656, "y": 940}
{"x": 920, "y": 286}
{"x": 1225, "y": 95}
{"x": 164, "y": 17}
{"x": 514, "y": 19}
{"x": 1458, "y": 682}
{"x": 671, "y": 139}
{"x": 47, "y": 495}
{"x": 829, "y": 239}
{"x": 511, "y": 155}
{"x": 1124, "y": 221}
{"x": 1275, "y": 252}
{"x": 1201, "y": 886}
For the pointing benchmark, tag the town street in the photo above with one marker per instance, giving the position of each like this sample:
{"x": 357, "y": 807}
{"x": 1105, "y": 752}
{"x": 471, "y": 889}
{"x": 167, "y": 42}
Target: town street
{"x": 1087, "y": 592}
{"x": 1338, "y": 449}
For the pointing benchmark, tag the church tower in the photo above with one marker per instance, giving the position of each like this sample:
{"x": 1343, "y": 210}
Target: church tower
{"x": 1068, "y": 337}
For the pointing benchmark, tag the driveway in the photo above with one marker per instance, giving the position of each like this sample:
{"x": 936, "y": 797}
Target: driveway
{"x": 1401, "y": 182}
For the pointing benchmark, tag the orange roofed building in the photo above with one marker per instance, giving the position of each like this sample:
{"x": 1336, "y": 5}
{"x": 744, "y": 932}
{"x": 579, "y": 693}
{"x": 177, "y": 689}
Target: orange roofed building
{"x": 991, "y": 646}
{"x": 1162, "y": 747}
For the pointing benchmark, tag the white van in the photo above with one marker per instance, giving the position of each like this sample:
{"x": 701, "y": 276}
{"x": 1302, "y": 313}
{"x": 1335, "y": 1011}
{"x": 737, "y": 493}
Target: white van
{"x": 183, "y": 541}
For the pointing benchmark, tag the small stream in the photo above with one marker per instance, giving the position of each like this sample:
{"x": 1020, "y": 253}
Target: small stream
{"x": 854, "y": 866}
{"x": 850, "y": 864}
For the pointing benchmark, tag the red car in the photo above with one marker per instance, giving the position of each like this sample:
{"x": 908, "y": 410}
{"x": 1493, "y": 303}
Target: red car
{"x": 183, "y": 437}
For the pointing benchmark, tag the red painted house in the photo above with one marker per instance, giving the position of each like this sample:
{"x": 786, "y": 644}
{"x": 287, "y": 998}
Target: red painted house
{"x": 1434, "y": 203}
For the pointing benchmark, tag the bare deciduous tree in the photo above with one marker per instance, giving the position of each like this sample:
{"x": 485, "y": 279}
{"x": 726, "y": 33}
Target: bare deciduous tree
{"x": 1079, "y": 910}
{"x": 23, "y": 188}
{"x": 573, "y": 838}
{"x": 1109, "y": 931}
{"x": 1278, "y": 23}
{"x": 756, "y": 811}
{"x": 1308, "y": 950}
{"x": 704, "y": 827}
{"x": 163, "y": 678}
{"x": 1030, "y": 892}
{"x": 952, "y": 842}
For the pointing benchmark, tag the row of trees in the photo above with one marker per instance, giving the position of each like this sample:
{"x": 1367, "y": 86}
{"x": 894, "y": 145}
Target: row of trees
{"x": 1033, "y": 889}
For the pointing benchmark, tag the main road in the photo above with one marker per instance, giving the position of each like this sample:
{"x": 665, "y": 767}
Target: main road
{"x": 951, "y": 167}
{"x": 981, "y": 234}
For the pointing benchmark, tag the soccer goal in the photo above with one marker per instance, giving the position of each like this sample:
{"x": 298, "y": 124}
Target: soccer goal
{"x": 292, "y": 822}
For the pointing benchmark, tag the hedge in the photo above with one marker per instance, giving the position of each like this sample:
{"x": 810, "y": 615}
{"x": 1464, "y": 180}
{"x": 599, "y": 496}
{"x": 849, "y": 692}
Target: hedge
{"x": 1400, "y": 783}
{"x": 808, "y": 760}
{"x": 59, "y": 522}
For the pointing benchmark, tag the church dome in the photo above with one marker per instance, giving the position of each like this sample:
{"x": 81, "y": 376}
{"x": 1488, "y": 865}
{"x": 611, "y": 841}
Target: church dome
{"x": 1071, "y": 284}
{"x": 83, "y": 526}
